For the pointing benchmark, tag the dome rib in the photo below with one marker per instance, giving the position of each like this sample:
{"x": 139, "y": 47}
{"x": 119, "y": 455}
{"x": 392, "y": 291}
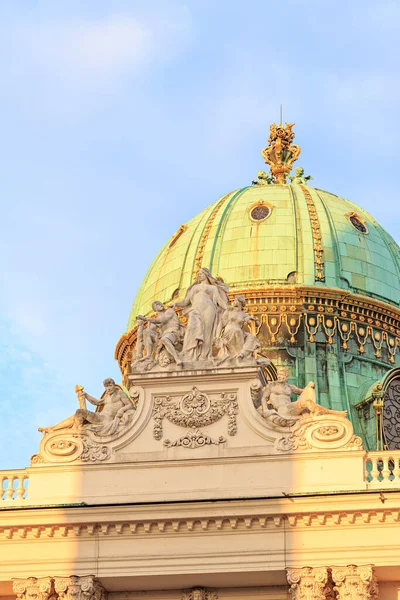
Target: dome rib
{"x": 297, "y": 229}
{"x": 219, "y": 236}
{"x": 335, "y": 241}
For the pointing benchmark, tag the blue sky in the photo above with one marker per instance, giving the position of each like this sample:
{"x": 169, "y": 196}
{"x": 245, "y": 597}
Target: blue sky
{"x": 120, "y": 120}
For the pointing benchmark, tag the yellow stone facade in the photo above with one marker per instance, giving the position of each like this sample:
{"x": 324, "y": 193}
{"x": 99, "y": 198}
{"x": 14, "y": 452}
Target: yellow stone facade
{"x": 195, "y": 490}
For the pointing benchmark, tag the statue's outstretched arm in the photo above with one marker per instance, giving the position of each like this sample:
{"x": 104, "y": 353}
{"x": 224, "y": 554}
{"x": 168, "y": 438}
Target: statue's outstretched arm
{"x": 296, "y": 390}
{"x": 183, "y": 302}
{"x": 93, "y": 400}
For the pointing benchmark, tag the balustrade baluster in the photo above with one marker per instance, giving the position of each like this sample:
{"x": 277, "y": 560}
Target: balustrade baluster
{"x": 20, "y": 489}
{"x": 10, "y": 489}
{"x": 385, "y": 469}
{"x": 374, "y": 471}
{"x": 396, "y": 470}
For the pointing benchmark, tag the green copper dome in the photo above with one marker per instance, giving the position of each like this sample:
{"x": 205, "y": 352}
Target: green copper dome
{"x": 277, "y": 235}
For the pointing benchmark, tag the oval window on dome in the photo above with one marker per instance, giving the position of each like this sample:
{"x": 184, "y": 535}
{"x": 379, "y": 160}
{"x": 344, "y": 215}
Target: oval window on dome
{"x": 358, "y": 222}
{"x": 260, "y": 211}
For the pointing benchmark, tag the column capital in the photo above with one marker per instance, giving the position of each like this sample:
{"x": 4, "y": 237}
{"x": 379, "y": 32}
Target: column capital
{"x": 33, "y": 588}
{"x": 308, "y": 583}
{"x": 355, "y": 583}
{"x": 59, "y": 588}
{"x": 79, "y": 588}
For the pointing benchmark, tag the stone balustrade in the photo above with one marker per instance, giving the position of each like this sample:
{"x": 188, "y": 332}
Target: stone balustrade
{"x": 382, "y": 469}
{"x": 377, "y": 469}
{"x": 14, "y": 485}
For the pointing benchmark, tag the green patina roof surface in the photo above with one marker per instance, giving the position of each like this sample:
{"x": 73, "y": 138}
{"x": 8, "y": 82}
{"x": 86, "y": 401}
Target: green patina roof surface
{"x": 246, "y": 254}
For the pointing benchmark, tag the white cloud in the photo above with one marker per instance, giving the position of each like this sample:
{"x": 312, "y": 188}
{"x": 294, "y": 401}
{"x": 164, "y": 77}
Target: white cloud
{"x": 92, "y": 47}
{"x": 103, "y": 47}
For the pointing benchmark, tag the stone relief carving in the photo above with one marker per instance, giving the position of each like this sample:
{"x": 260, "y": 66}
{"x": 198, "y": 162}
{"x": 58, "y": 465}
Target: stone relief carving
{"x": 94, "y": 452}
{"x": 309, "y": 583}
{"x": 194, "y": 409}
{"x": 199, "y": 593}
{"x": 194, "y": 438}
{"x": 353, "y": 582}
{"x": 86, "y": 433}
{"x": 214, "y": 334}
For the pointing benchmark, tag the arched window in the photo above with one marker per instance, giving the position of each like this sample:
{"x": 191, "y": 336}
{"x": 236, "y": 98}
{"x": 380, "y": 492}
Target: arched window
{"x": 391, "y": 414}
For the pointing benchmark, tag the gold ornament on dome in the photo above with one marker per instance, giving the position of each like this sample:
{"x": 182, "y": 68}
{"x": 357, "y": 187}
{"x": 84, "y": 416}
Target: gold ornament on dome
{"x": 281, "y": 153}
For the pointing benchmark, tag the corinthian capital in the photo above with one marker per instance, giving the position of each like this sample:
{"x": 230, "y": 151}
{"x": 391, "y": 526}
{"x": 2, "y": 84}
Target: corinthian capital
{"x": 33, "y": 588}
{"x": 355, "y": 583}
{"x": 308, "y": 583}
{"x": 79, "y": 588}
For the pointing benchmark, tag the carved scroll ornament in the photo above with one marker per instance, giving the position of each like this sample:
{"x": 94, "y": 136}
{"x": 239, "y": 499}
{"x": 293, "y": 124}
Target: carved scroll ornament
{"x": 195, "y": 409}
{"x": 194, "y": 438}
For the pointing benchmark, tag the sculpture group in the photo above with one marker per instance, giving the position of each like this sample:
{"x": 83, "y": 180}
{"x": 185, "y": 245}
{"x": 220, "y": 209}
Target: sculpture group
{"x": 215, "y": 331}
{"x": 210, "y": 332}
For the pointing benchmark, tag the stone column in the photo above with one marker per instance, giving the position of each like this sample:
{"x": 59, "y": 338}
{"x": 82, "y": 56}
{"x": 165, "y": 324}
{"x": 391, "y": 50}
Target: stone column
{"x": 355, "y": 583}
{"x": 308, "y": 583}
{"x": 59, "y": 588}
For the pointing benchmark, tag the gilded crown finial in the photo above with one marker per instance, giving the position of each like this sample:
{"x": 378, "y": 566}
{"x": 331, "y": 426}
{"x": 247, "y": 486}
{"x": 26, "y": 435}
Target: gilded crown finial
{"x": 280, "y": 153}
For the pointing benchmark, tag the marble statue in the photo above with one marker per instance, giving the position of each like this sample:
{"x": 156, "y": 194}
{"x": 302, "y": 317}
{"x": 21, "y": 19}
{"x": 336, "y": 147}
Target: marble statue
{"x": 163, "y": 332}
{"x": 284, "y": 412}
{"x": 203, "y": 304}
{"x": 233, "y": 342}
{"x": 299, "y": 176}
{"x": 113, "y": 409}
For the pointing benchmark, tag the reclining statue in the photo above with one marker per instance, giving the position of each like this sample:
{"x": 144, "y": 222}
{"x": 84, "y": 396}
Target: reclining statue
{"x": 284, "y": 412}
{"x": 113, "y": 410}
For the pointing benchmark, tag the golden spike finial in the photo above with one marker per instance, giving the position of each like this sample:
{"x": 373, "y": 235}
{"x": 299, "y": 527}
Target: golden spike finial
{"x": 280, "y": 153}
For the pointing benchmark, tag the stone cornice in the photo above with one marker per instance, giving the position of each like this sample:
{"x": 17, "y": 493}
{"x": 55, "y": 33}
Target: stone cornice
{"x": 202, "y": 524}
